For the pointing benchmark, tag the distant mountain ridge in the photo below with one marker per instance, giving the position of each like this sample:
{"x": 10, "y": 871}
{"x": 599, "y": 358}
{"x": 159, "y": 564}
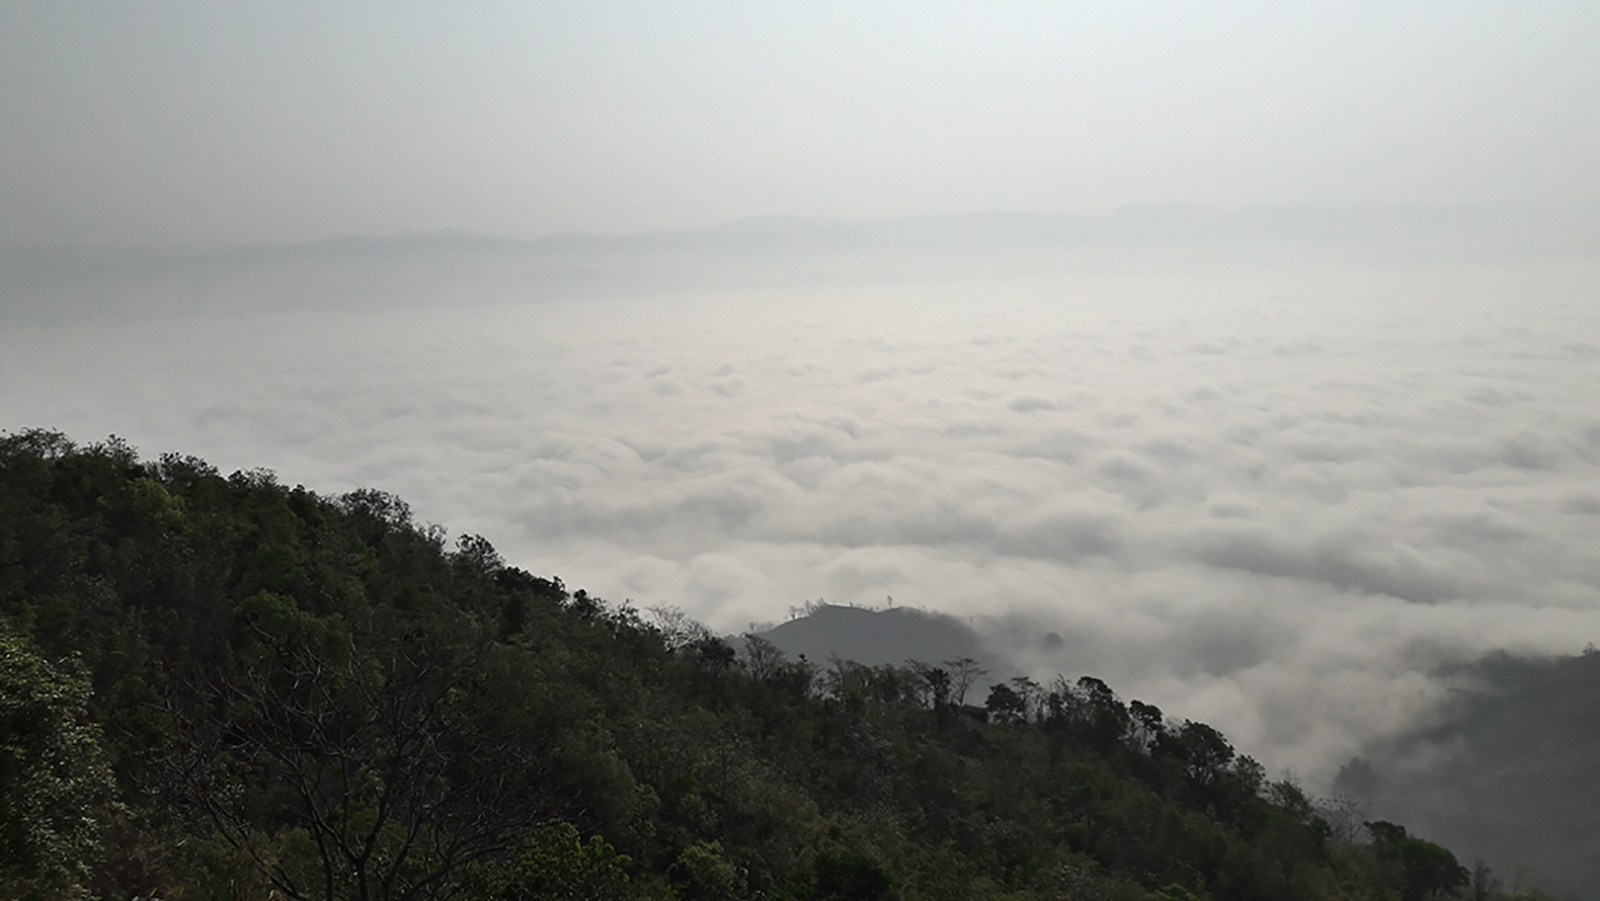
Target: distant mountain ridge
{"x": 1159, "y": 221}
{"x": 455, "y": 266}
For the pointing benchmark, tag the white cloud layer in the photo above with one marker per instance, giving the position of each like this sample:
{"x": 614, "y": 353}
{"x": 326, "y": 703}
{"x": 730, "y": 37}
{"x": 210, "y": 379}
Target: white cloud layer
{"x": 1273, "y": 501}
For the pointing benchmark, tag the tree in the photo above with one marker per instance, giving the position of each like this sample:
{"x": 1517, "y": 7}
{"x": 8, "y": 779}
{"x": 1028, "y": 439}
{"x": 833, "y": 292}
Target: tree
{"x": 1206, "y": 751}
{"x": 53, "y": 775}
{"x": 851, "y": 877}
{"x": 1148, "y": 724}
{"x": 937, "y": 681}
{"x": 557, "y": 865}
{"x": 677, "y": 629}
{"x": 352, "y": 772}
{"x": 763, "y": 660}
{"x": 713, "y": 656}
{"x": 1484, "y": 885}
{"x": 1032, "y": 695}
{"x": 1004, "y": 704}
{"x": 1427, "y": 870}
{"x": 964, "y": 673}
{"x": 1345, "y": 817}
{"x": 701, "y": 874}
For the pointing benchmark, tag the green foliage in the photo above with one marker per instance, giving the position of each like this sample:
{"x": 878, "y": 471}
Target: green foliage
{"x": 1425, "y": 870}
{"x": 701, "y": 874}
{"x": 1004, "y": 704}
{"x": 54, "y": 780}
{"x": 308, "y": 697}
{"x": 851, "y": 877}
{"x": 557, "y": 865}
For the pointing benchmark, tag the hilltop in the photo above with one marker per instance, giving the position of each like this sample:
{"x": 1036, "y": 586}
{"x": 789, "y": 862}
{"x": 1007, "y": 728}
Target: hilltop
{"x": 876, "y": 637}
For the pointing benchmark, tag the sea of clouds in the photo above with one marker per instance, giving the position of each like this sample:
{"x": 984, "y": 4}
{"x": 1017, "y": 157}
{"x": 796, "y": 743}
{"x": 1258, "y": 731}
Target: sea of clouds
{"x": 1276, "y": 499}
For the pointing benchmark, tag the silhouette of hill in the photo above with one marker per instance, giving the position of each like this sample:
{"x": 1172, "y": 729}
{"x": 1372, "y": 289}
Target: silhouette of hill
{"x": 877, "y": 637}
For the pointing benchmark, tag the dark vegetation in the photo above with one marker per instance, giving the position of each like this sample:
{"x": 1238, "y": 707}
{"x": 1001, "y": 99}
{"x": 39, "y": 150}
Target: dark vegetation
{"x": 222, "y": 687}
{"x": 1505, "y": 770}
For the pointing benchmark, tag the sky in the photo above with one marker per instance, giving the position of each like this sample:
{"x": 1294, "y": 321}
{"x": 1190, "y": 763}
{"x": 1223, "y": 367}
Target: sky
{"x": 1279, "y": 489}
{"x": 203, "y": 124}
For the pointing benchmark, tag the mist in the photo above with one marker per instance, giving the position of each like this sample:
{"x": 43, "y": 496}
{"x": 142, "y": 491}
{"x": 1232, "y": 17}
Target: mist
{"x": 1277, "y": 486}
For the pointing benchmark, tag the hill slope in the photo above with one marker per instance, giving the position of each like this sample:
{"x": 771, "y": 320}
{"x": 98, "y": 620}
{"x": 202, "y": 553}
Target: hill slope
{"x": 224, "y": 687}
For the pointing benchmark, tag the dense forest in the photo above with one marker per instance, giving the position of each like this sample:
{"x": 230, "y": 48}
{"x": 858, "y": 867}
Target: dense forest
{"x": 224, "y": 687}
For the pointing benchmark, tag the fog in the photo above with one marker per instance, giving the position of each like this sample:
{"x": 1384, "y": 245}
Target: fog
{"x": 1277, "y": 492}
{"x": 1283, "y": 459}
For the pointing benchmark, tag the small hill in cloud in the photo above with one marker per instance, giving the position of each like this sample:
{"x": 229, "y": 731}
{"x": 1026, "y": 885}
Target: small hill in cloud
{"x": 877, "y": 637}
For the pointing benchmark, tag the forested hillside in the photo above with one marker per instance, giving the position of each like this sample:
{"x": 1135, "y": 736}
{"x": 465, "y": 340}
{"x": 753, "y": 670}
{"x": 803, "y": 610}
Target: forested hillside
{"x": 224, "y": 687}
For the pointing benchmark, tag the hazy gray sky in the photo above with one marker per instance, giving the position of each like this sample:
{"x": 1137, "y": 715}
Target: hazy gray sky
{"x": 156, "y": 122}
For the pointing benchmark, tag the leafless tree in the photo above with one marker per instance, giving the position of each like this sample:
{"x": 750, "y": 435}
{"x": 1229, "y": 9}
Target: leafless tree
{"x": 350, "y": 775}
{"x": 678, "y": 630}
{"x": 1345, "y": 816}
{"x": 964, "y": 673}
{"x": 762, "y": 659}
